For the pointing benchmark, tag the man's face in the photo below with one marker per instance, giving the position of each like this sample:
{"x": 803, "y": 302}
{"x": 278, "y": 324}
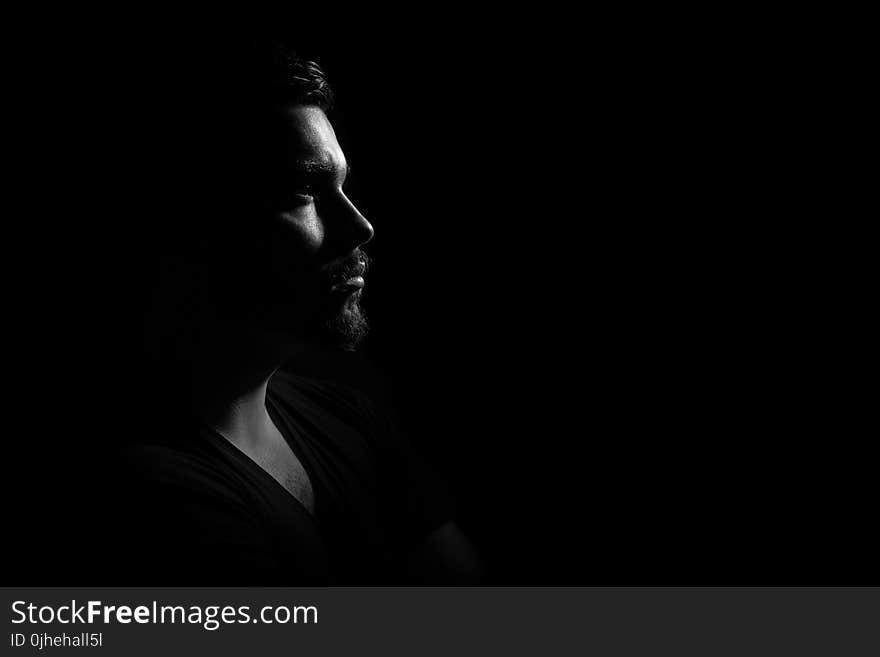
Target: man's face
{"x": 311, "y": 281}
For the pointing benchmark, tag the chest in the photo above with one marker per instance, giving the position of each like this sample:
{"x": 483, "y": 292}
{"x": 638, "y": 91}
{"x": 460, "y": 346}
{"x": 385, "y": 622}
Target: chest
{"x": 283, "y": 465}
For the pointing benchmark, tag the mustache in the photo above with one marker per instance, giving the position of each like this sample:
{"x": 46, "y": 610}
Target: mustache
{"x": 356, "y": 263}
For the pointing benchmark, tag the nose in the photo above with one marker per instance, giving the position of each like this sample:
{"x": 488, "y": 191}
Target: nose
{"x": 355, "y": 229}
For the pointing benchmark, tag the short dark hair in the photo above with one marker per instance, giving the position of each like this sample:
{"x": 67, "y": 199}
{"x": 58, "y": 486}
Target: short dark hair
{"x": 299, "y": 81}
{"x": 245, "y": 75}
{"x": 254, "y": 74}
{"x": 208, "y": 145}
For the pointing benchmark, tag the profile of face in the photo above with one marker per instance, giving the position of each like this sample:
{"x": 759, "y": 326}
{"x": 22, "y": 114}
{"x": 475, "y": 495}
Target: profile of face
{"x": 307, "y": 281}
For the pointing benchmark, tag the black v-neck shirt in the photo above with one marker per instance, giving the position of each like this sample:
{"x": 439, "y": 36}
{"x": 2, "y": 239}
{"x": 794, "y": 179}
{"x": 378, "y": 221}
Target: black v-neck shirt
{"x": 200, "y": 511}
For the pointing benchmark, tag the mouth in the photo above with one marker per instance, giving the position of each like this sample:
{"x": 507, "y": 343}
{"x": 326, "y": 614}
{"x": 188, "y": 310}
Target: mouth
{"x": 348, "y": 286}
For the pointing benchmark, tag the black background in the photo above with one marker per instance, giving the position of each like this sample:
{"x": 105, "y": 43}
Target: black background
{"x": 583, "y": 305}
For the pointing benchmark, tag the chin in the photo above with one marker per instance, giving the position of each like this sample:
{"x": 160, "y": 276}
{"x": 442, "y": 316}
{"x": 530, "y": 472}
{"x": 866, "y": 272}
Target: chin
{"x": 348, "y": 329}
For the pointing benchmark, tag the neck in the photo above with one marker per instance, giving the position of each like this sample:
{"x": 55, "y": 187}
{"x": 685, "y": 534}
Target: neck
{"x": 230, "y": 375}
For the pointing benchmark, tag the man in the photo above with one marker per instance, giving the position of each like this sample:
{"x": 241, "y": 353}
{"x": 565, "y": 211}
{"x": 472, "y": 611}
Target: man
{"x": 248, "y": 473}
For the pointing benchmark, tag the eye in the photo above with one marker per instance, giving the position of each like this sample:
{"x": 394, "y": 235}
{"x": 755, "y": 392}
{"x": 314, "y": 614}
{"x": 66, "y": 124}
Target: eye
{"x": 305, "y": 192}
{"x": 298, "y": 196}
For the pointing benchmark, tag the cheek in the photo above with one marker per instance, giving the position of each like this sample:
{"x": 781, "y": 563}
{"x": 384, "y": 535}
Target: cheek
{"x": 302, "y": 231}
{"x": 295, "y": 245}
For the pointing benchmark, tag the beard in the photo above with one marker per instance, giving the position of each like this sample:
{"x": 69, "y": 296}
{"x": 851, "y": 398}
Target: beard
{"x": 346, "y": 329}
{"x": 312, "y": 311}
{"x": 345, "y": 326}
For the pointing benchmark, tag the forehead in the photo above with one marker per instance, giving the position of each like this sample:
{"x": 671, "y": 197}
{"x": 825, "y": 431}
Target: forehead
{"x": 308, "y": 136}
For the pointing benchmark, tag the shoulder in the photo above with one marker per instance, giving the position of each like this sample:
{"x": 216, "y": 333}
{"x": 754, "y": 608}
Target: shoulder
{"x": 183, "y": 472}
{"x": 341, "y": 401}
{"x": 320, "y": 390}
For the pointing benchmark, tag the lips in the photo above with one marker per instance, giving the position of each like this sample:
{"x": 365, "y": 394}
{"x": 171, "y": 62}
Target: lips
{"x": 349, "y": 285}
{"x": 347, "y": 275}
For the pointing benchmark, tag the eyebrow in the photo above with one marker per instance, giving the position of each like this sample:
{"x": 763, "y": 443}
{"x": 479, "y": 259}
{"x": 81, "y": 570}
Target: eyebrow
{"x": 318, "y": 167}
